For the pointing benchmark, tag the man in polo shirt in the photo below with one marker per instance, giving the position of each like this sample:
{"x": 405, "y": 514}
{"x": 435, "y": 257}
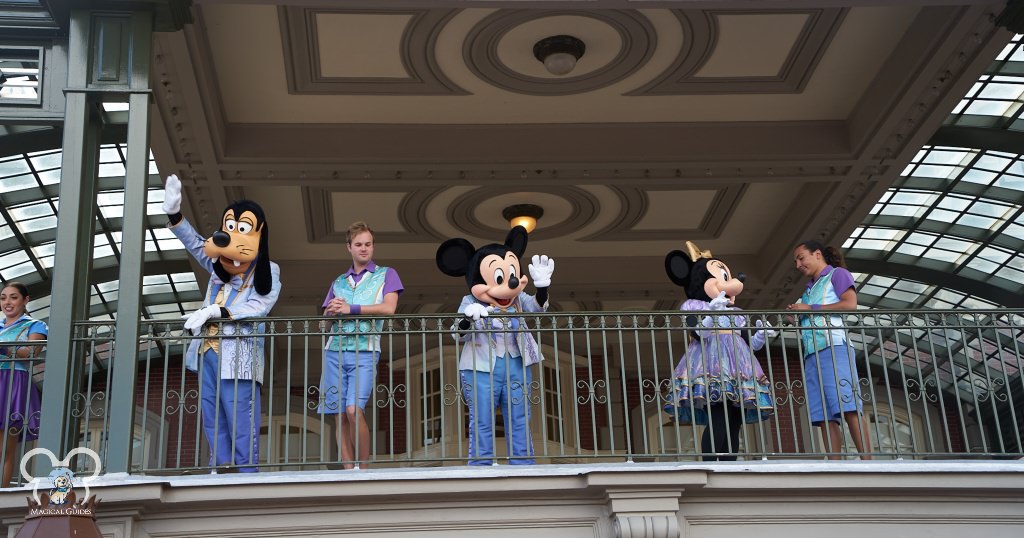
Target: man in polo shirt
{"x": 350, "y": 358}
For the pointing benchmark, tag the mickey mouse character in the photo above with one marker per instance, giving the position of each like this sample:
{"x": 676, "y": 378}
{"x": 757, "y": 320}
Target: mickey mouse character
{"x": 496, "y": 356}
{"x": 244, "y": 283}
{"x": 718, "y": 380}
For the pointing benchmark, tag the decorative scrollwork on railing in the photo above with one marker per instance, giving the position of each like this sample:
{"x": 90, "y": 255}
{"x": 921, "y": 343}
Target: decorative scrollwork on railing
{"x": 997, "y": 384}
{"x": 918, "y": 391}
{"x": 854, "y": 391}
{"x": 318, "y": 399}
{"x": 16, "y": 423}
{"x": 455, "y": 391}
{"x": 182, "y": 405}
{"x": 390, "y": 392}
{"x": 785, "y": 392}
{"x": 991, "y": 392}
{"x": 529, "y": 392}
{"x": 863, "y": 390}
{"x": 654, "y": 390}
{"x": 592, "y": 394}
{"x": 87, "y": 409}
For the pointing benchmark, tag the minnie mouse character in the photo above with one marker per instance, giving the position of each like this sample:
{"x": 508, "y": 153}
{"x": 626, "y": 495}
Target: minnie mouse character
{"x": 496, "y": 356}
{"x": 718, "y": 380}
{"x": 244, "y": 283}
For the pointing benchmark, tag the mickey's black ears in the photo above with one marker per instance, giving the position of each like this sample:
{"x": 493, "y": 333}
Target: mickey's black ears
{"x": 453, "y": 256}
{"x": 516, "y": 240}
{"x": 679, "y": 267}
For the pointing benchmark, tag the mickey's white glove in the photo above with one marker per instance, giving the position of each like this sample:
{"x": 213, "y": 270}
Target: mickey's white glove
{"x": 475, "y": 311}
{"x": 720, "y": 303}
{"x": 172, "y": 195}
{"x": 194, "y": 321}
{"x": 540, "y": 271}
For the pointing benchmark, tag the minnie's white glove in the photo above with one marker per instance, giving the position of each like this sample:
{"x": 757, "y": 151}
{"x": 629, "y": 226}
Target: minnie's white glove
{"x": 172, "y": 195}
{"x": 720, "y": 303}
{"x": 761, "y": 336}
{"x": 475, "y": 311}
{"x": 769, "y": 332}
{"x": 541, "y": 270}
{"x": 194, "y": 321}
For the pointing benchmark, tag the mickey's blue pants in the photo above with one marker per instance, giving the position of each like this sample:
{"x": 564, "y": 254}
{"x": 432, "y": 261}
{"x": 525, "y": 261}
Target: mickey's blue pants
{"x": 231, "y": 416}
{"x": 506, "y": 386}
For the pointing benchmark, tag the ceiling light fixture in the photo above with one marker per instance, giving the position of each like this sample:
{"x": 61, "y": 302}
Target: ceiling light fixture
{"x": 559, "y": 53}
{"x": 524, "y": 215}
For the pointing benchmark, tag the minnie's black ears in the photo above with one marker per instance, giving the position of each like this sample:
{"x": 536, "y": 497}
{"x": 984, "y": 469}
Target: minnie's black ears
{"x": 679, "y": 267}
{"x": 453, "y": 256}
{"x": 516, "y": 240}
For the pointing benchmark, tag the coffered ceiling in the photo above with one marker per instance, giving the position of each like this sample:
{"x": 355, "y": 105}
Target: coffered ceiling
{"x": 742, "y": 127}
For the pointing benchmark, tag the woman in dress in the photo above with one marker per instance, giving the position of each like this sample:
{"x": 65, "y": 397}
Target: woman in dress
{"x": 19, "y": 397}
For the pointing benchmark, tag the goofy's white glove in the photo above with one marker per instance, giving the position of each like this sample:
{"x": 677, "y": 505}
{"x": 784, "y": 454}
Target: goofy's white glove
{"x": 194, "y": 321}
{"x": 172, "y": 195}
{"x": 541, "y": 270}
{"x": 475, "y": 311}
{"x": 761, "y": 335}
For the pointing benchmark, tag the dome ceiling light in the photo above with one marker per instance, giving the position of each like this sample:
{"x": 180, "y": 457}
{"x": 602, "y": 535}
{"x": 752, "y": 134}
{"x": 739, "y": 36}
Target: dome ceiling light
{"x": 559, "y": 53}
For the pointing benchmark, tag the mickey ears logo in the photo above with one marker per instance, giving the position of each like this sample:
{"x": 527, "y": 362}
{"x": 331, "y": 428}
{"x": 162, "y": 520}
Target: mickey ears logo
{"x": 61, "y": 476}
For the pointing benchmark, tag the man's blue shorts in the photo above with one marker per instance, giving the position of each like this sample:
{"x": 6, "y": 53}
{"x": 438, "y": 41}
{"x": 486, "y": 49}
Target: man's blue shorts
{"x": 356, "y": 382}
{"x": 821, "y": 370}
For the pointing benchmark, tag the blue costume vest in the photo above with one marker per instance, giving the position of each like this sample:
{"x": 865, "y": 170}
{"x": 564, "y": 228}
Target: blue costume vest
{"x": 15, "y": 332}
{"x": 815, "y": 340}
{"x": 355, "y": 335}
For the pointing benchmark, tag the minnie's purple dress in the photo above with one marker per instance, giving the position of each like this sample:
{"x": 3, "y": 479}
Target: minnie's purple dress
{"x": 718, "y": 366}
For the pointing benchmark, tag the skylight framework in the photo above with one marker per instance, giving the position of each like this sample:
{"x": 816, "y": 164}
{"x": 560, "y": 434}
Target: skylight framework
{"x": 28, "y": 227}
{"x": 955, "y": 213}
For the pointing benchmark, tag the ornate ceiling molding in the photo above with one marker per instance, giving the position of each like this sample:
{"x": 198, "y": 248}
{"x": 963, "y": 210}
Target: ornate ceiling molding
{"x": 302, "y": 55}
{"x": 584, "y": 207}
{"x": 701, "y": 35}
{"x": 634, "y": 205}
{"x": 319, "y": 215}
{"x": 480, "y": 51}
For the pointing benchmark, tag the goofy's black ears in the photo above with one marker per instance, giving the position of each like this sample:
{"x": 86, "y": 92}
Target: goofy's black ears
{"x": 263, "y": 279}
{"x": 453, "y": 256}
{"x": 679, "y": 267}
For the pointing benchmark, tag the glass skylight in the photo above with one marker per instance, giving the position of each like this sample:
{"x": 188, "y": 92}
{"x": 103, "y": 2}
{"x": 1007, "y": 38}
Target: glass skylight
{"x": 28, "y": 234}
{"x": 995, "y": 99}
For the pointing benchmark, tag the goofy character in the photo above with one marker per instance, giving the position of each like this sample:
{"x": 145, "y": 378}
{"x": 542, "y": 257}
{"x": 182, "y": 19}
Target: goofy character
{"x": 496, "y": 355}
{"x": 244, "y": 283}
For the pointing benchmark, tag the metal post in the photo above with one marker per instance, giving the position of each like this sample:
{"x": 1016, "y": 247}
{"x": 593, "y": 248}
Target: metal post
{"x": 75, "y": 224}
{"x": 129, "y": 297}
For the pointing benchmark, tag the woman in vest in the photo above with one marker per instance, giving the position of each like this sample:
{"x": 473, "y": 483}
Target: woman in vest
{"x": 829, "y": 366}
{"x": 19, "y": 397}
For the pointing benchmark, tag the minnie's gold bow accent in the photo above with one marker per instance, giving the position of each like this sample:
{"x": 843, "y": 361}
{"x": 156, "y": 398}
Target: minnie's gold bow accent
{"x": 695, "y": 252}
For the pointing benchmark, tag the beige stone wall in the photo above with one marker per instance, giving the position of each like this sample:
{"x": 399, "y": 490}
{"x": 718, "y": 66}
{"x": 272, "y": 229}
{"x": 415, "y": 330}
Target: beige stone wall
{"x": 756, "y": 499}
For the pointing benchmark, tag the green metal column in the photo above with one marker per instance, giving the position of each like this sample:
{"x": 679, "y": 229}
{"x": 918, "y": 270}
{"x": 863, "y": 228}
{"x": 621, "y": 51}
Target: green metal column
{"x": 73, "y": 257}
{"x": 109, "y": 54}
{"x": 129, "y": 296}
